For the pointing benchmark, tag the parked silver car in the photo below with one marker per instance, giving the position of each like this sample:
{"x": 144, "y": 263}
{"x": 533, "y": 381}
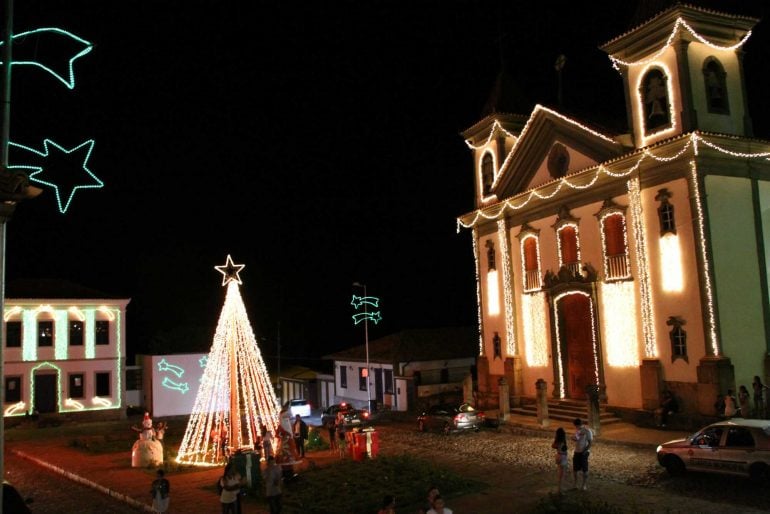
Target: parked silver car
{"x": 450, "y": 417}
{"x": 737, "y": 447}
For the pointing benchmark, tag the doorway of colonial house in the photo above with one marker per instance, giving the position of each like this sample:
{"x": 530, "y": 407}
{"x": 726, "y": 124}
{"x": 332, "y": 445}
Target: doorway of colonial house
{"x": 577, "y": 342}
{"x": 378, "y": 385}
{"x": 45, "y": 392}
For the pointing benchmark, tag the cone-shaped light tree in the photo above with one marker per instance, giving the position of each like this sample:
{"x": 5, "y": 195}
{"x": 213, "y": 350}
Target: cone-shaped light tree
{"x": 235, "y": 396}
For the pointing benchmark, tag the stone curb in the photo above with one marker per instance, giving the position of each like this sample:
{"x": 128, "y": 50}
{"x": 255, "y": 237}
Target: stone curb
{"x": 530, "y": 431}
{"x": 93, "y": 485}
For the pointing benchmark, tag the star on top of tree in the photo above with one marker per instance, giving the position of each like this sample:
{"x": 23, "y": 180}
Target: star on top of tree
{"x": 230, "y": 271}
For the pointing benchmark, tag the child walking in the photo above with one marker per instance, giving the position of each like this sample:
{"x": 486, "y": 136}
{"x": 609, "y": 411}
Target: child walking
{"x": 161, "y": 488}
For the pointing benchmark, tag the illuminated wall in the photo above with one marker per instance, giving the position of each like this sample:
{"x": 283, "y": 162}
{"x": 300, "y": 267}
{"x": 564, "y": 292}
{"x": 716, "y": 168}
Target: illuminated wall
{"x": 667, "y": 302}
{"x": 736, "y": 270}
{"x": 731, "y": 123}
{"x": 175, "y": 381}
{"x": 764, "y": 206}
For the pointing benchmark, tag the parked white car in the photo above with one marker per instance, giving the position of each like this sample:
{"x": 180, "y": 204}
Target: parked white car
{"x": 301, "y": 407}
{"x": 736, "y": 446}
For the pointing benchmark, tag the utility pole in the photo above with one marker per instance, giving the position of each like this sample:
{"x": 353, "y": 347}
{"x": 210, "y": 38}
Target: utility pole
{"x": 14, "y": 187}
{"x": 6, "y": 208}
{"x": 279, "y": 386}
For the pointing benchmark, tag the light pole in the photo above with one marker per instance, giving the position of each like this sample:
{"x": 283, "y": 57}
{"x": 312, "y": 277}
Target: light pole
{"x": 366, "y": 341}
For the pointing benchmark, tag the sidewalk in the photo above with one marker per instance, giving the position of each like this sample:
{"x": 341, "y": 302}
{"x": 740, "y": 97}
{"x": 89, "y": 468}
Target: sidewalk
{"x": 614, "y": 433}
{"x": 194, "y": 490}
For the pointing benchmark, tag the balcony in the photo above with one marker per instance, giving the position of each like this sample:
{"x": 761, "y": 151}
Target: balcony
{"x": 533, "y": 282}
{"x": 616, "y": 267}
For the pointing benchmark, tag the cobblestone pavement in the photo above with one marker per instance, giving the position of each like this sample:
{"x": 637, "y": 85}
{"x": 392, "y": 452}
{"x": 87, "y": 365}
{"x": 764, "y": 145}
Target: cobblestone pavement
{"x": 52, "y": 493}
{"x": 520, "y": 472}
{"x": 517, "y": 468}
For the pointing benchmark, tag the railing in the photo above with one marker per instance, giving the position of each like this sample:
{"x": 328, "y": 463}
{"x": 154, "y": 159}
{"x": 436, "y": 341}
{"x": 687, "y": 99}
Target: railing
{"x": 573, "y": 267}
{"x": 617, "y": 267}
{"x": 533, "y": 281}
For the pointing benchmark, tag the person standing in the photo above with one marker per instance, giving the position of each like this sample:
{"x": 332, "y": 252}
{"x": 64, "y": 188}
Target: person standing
{"x": 299, "y": 429}
{"x": 438, "y": 506}
{"x": 730, "y": 404}
{"x": 331, "y": 426}
{"x": 759, "y": 397}
{"x": 388, "y": 505}
{"x": 433, "y": 492}
{"x": 267, "y": 442}
{"x": 667, "y": 407}
{"x": 230, "y": 483}
{"x": 273, "y": 476}
{"x": 341, "y": 429}
{"x": 744, "y": 402}
{"x": 161, "y": 489}
{"x": 583, "y": 438}
{"x": 560, "y": 445}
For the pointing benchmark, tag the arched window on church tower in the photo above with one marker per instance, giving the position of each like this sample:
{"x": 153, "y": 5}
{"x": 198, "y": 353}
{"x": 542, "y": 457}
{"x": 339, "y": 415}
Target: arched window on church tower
{"x": 653, "y": 92}
{"x": 714, "y": 78}
{"x": 487, "y": 174}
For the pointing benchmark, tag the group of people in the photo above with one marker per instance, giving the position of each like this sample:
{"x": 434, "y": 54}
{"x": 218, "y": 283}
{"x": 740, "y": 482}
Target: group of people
{"x": 729, "y": 406}
{"x": 583, "y": 439}
{"x": 337, "y": 433}
{"x": 232, "y": 482}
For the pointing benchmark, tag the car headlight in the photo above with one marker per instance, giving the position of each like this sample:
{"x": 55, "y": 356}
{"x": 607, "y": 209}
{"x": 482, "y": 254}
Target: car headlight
{"x": 660, "y": 447}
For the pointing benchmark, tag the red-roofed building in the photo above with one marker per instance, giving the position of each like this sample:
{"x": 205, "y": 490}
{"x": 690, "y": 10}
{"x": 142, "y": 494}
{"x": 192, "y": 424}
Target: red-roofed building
{"x": 407, "y": 367}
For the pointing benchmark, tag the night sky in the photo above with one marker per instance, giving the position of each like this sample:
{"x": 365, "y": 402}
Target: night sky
{"x": 317, "y": 143}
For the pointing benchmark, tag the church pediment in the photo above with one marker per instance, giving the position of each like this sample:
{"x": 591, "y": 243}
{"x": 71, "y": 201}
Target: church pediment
{"x": 550, "y": 147}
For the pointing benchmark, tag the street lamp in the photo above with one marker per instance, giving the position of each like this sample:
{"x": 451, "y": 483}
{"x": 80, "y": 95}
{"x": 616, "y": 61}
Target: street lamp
{"x": 366, "y": 340}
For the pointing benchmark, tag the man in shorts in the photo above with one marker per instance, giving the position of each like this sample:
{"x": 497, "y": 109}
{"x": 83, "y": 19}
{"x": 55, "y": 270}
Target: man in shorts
{"x": 583, "y": 438}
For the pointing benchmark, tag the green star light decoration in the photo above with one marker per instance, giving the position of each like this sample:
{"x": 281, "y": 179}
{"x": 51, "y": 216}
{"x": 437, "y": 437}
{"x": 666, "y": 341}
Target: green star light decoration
{"x": 42, "y": 175}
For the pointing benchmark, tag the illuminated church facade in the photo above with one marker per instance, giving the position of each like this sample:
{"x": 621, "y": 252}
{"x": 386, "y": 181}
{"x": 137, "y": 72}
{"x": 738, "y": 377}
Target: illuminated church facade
{"x": 632, "y": 263}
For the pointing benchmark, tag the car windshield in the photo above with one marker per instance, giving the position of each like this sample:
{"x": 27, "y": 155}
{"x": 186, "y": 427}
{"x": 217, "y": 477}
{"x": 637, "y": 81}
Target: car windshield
{"x": 466, "y": 408}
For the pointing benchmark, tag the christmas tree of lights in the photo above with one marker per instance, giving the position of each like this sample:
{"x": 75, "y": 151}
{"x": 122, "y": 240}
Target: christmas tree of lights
{"x": 235, "y": 396}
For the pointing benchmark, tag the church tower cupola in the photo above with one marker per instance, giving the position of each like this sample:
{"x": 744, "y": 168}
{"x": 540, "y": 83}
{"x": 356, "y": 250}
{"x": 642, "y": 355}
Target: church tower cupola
{"x": 682, "y": 71}
{"x": 495, "y": 134}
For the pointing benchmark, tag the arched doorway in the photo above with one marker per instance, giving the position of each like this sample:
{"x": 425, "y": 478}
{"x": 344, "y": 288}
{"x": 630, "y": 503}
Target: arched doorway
{"x": 576, "y": 341}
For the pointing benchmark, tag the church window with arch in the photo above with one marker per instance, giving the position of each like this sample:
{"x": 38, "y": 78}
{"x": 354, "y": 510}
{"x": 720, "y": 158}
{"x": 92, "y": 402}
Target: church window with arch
{"x": 530, "y": 257}
{"x": 615, "y": 246}
{"x": 653, "y": 92}
{"x": 487, "y": 174}
{"x": 715, "y": 83}
{"x": 678, "y": 337}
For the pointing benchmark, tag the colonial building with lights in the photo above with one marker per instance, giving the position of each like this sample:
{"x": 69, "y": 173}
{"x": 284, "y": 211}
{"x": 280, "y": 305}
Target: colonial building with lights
{"x": 63, "y": 350}
{"x": 637, "y": 262}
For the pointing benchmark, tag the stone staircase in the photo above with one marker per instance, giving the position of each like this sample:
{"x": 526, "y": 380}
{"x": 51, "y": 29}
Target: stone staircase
{"x": 564, "y": 410}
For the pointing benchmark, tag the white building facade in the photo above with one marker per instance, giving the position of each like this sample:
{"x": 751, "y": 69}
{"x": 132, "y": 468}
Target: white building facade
{"x": 65, "y": 356}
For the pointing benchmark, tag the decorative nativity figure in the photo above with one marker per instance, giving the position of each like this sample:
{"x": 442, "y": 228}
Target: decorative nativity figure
{"x": 146, "y": 450}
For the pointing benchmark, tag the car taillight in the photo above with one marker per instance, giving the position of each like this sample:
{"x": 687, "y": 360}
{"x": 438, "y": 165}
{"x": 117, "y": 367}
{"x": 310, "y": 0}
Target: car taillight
{"x": 481, "y": 414}
{"x": 365, "y": 414}
{"x": 460, "y": 417}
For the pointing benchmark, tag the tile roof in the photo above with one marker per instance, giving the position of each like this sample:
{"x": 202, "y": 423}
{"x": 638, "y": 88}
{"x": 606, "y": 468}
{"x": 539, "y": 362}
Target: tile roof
{"x": 49, "y": 288}
{"x": 416, "y": 345}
